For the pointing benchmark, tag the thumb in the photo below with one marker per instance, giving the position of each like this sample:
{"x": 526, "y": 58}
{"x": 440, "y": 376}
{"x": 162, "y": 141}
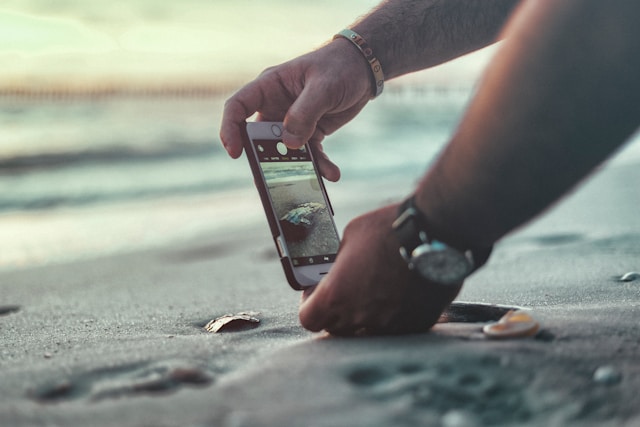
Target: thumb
{"x": 303, "y": 116}
{"x": 313, "y": 311}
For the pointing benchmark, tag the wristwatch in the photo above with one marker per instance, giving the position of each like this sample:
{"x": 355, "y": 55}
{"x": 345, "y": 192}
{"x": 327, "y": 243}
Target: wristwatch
{"x": 430, "y": 258}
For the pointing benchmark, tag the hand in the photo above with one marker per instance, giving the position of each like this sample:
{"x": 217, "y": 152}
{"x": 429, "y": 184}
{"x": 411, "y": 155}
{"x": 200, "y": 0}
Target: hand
{"x": 369, "y": 289}
{"x": 314, "y": 95}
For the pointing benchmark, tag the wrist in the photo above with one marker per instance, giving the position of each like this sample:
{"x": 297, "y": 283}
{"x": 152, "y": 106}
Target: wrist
{"x": 375, "y": 68}
{"x": 342, "y": 63}
{"x": 446, "y": 220}
{"x": 438, "y": 256}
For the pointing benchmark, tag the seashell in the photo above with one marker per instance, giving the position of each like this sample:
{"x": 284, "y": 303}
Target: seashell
{"x": 235, "y": 322}
{"x": 514, "y": 324}
{"x": 298, "y": 222}
{"x": 302, "y": 214}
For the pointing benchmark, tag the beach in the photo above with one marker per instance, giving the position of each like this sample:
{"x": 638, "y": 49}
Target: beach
{"x": 118, "y": 339}
{"x": 125, "y": 229}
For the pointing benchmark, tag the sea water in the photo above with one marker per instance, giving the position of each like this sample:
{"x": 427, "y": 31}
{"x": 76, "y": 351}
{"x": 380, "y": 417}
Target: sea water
{"x": 83, "y": 177}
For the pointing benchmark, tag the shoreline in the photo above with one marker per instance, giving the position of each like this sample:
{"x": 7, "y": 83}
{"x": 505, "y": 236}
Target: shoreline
{"x": 58, "y": 236}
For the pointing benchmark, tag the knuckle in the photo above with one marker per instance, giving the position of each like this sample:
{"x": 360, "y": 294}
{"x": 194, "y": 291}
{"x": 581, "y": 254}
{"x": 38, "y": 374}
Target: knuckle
{"x": 355, "y": 225}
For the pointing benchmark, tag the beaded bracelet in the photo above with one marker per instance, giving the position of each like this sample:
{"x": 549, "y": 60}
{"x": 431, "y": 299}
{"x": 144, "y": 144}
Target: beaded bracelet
{"x": 363, "y": 47}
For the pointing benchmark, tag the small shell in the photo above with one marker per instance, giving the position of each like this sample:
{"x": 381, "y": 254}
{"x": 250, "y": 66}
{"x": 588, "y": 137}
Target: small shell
{"x": 514, "y": 324}
{"x": 240, "y": 321}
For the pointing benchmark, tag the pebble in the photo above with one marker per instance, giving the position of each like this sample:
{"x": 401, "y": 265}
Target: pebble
{"x": 8, "y": 309}
{"x": 188, "y": 375}
{"x": 56, "y": 391}
{"x": 630, "y": 277}
{"x": 457, "y": 418}
{"x": 607, "y": 375}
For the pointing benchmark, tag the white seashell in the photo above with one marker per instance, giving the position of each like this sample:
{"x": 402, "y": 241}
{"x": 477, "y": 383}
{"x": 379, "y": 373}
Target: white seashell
{"x": 514, "y": 324}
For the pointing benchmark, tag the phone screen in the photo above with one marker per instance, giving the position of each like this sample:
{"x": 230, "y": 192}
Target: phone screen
{"x": 299, "y": 203}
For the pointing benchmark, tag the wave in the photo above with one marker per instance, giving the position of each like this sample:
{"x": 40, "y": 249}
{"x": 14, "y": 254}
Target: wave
{"x": 52, "y": 201}
{"x": 82, "y": 153}
{"x": 114, "y": 154}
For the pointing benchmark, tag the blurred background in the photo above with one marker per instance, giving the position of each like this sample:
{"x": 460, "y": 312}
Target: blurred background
{"x": 77, "y": 45}
{"x": 109, "y": 117}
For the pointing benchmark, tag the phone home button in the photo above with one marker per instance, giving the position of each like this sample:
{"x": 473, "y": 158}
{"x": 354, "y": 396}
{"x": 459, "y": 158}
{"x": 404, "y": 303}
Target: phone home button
{"x": 275, "y": 129}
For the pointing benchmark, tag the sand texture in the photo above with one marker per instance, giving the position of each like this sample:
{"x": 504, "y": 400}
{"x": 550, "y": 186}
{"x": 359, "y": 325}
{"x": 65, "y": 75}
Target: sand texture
{"x": 118, "y": 341}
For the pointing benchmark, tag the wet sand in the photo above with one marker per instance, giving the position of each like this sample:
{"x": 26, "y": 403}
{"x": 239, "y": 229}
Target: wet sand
{"x": 118, "y": 341}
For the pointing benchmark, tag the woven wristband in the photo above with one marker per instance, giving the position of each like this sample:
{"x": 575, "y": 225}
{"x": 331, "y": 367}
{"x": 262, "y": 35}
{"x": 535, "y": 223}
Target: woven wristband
{"x": 363, "y": 47}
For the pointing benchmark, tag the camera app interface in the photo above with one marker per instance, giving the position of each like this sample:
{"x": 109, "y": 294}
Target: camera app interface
{"x": 301, "y": 209}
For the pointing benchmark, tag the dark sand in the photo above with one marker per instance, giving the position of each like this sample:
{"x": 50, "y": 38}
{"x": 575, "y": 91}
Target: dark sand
{"x": 118, "y": 341}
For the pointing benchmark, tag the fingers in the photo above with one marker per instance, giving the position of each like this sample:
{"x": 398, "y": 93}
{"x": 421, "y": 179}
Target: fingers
{"x": 334, "y": 304}
{"x": 312, "y": 314}
{"x": 307, "y": 293}
{"x": 304, "y": 95}
{"x": 266, "y": 96}
{"x": 369, "y": 289}
{"x": 302, "y": 118}
{"x": 237, "y": 109}
{"x": 328, "y": 169}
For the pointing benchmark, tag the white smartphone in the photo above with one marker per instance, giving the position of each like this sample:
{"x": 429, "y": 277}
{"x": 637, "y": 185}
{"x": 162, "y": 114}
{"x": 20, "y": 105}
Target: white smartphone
{"x": 295, "y": 202}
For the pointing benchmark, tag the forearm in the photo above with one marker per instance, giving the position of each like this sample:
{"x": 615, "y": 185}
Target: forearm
{"x": 410, "y": 35}
{"x": 560, "y": 96}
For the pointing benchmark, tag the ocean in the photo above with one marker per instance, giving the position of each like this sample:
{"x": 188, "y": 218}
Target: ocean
{"x": 87, "y": 176}
{"x": 83, "y": 177}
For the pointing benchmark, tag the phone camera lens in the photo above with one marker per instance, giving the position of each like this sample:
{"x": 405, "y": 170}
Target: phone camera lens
{"x": 275, "y": 129}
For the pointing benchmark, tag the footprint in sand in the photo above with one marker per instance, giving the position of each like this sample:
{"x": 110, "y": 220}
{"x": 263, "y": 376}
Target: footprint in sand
{"x": 558, "y": 239}
{"x": 476, "y": 386}
{"x": 113, "y": 382}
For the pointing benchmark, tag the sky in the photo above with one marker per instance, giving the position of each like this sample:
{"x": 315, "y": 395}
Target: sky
{"x": 90, "y": 41}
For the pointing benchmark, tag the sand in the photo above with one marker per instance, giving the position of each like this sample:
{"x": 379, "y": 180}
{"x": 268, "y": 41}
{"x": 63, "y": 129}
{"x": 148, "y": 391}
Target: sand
{"x": 118, "y": 341}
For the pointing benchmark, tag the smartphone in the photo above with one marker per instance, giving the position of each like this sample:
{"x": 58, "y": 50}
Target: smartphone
{"x": 295, "y": 202}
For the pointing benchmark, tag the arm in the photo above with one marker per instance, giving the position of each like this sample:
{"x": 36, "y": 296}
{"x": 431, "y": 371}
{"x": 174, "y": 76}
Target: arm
{"x": 317, "y": 93}
{"x": 413, "y": 35}
{"x": 561, "y": 95}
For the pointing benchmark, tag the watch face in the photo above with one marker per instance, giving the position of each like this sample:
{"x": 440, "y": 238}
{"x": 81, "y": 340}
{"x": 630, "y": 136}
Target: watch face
{"x": 445, "y": 266}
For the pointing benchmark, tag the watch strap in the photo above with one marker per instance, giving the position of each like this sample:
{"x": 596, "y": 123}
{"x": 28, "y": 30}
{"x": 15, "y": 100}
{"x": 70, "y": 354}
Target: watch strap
{"x": 411, "y": 228}
{"x": 408, "y": 229}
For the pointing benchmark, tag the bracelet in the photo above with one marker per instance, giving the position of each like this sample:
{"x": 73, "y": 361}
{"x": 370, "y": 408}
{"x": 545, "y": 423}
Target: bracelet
{"x": 363, "y": 47}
